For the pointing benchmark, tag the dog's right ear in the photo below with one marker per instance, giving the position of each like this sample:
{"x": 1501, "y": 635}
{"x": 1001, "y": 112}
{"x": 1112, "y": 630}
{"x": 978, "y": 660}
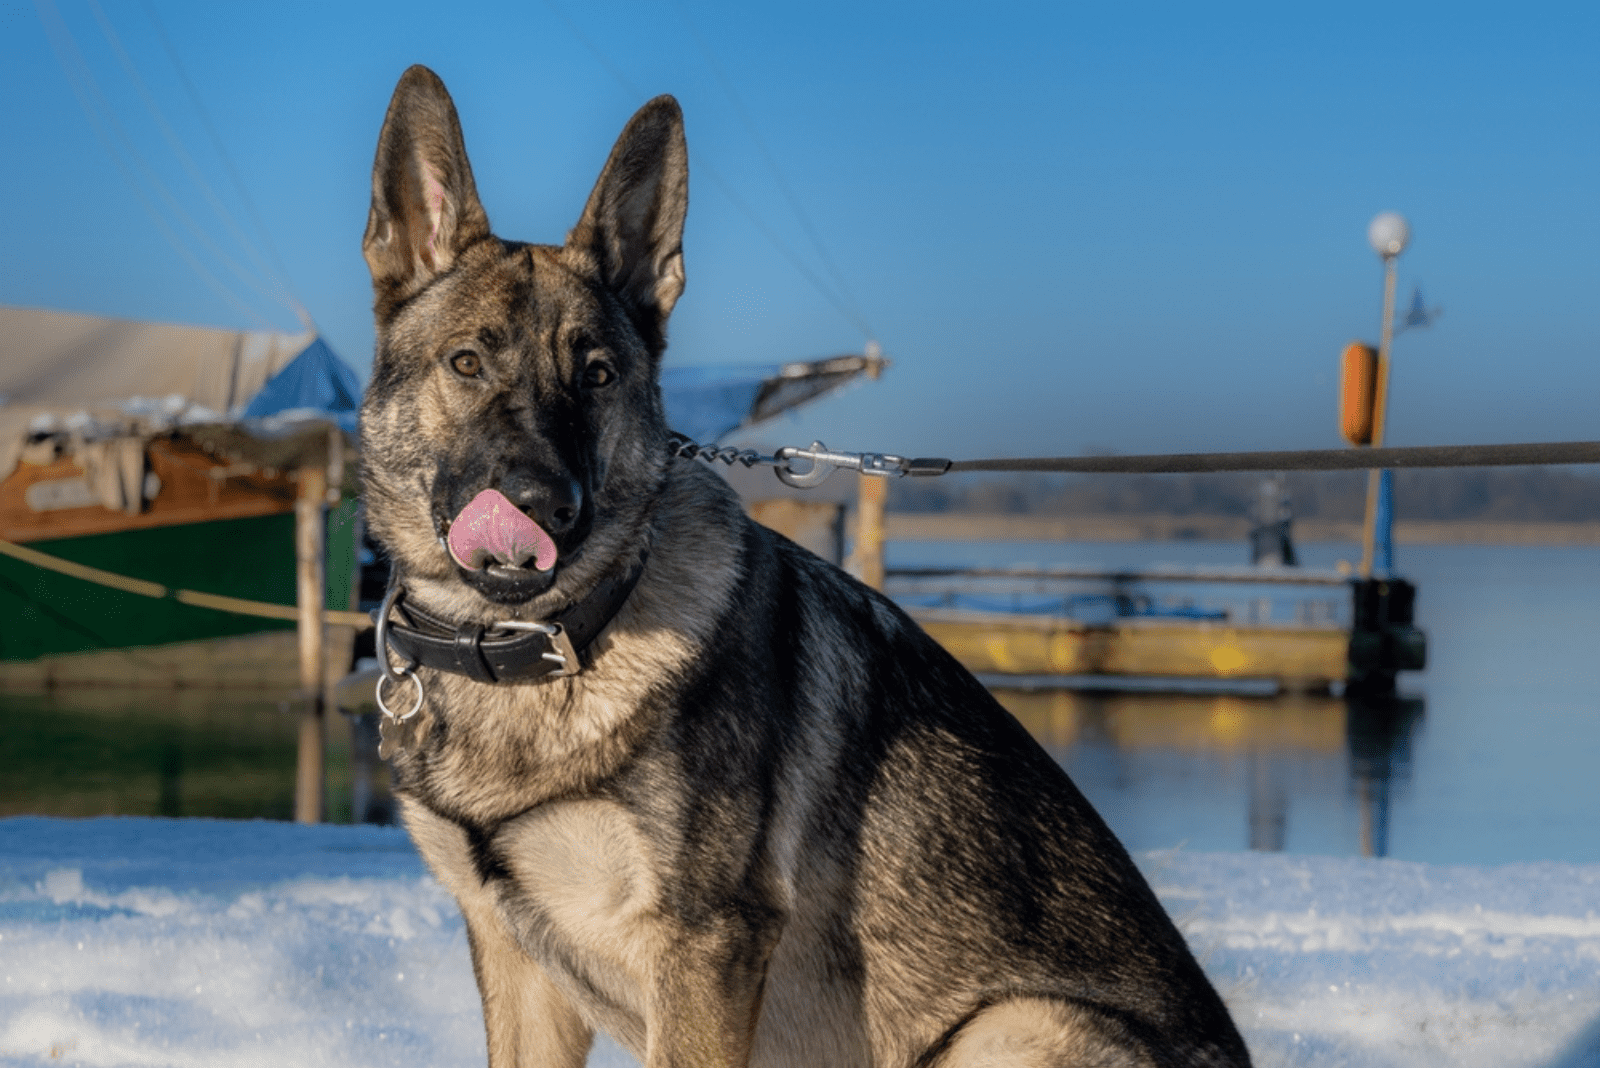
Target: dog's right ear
{"x": 425, "y": 207}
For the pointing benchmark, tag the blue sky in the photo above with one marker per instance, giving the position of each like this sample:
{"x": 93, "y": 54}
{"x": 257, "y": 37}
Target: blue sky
{"x": 1133, "y": 227}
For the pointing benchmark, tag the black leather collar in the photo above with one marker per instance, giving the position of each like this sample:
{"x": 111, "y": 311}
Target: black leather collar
{"x": 511, "y": 650}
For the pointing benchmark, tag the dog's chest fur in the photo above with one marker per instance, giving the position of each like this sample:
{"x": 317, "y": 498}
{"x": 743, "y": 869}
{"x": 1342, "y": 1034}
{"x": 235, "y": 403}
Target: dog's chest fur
{"x": 533, "y": 800}
{"x": 575, "y": 884}
{"x": 560, "y": 809}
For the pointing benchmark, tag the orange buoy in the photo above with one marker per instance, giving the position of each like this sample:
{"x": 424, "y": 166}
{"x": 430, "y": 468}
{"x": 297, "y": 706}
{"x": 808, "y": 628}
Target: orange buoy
{"x": 1358, "y": 387}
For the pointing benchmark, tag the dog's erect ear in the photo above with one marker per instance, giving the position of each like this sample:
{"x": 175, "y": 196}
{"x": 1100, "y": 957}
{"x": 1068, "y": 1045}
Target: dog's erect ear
{"x": 633, "y": 223}
{"x": 425, "y": 207}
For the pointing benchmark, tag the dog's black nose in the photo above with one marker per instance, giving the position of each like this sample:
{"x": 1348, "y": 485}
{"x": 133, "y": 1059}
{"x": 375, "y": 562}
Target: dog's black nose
{"x": 553, "y": 501}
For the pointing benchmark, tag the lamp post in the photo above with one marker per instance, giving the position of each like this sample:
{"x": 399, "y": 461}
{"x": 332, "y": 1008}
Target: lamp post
{"x": 1388, "y": 234}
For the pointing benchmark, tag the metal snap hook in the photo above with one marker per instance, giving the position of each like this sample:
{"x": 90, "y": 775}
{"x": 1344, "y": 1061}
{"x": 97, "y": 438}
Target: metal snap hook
{"x": 821, "y": 467}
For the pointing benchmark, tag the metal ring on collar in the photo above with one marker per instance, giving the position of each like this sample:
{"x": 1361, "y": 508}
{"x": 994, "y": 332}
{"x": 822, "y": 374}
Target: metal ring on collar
{"x": 416, "y": 706}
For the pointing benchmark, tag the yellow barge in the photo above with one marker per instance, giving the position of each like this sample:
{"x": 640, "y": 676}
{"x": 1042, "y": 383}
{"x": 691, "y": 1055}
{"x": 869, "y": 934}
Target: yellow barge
{"x": 1299, "y": 657}
{"x": 1281, "y": 626}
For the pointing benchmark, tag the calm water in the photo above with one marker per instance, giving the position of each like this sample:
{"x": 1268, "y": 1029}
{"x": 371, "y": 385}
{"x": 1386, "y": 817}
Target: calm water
{"x": 1490, "y": 757}
{"x": 228, "y": 754}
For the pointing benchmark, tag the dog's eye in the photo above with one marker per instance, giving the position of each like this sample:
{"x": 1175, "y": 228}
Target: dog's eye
{"x": 598, "y": 374}
{"x": 466, "y": 363}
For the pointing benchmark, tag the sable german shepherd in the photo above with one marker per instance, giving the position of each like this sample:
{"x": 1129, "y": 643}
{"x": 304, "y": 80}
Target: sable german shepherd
{"x": 690, "y": 784}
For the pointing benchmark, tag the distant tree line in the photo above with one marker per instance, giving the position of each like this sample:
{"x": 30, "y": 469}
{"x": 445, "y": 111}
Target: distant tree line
{"x": 1509, "y": 493}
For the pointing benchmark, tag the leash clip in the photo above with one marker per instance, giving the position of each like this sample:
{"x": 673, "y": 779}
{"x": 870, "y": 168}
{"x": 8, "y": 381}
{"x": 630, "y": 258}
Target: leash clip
{"x": 824, "y": 461}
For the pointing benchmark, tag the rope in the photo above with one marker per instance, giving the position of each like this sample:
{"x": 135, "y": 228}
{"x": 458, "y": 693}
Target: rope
{"x": 1555, "y": 452}
{"x": 703, "y": 166}
{"x": 144, "y": 588}
{"x": 103, "y": 121}
{"x": 277, "y": 270}
{"x": 850, "y": 308}
{"x": 175, "y": 143}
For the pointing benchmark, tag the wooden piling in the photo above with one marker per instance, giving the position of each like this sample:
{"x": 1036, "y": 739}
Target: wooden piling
{"x": 310, "y": 582}
{"x": 874, "y": 494}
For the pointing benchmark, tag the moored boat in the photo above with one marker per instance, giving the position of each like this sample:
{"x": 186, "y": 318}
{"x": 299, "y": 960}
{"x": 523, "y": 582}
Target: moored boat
{"x": 1252, "y": 626}
{"x": 169, "y": 457}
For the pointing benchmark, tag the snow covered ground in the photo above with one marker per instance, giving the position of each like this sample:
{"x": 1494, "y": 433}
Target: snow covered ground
{"x": 193, "y": 942}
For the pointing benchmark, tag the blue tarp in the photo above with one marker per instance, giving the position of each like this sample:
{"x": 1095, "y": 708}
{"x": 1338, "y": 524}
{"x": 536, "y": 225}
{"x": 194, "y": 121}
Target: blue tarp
{"x": 315, "y": 379}
{"x": 705, "y": 403}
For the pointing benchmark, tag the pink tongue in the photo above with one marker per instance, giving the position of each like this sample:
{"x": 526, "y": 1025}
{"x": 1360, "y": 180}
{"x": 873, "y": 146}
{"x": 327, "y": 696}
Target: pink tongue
{"x": 493, "y": 530}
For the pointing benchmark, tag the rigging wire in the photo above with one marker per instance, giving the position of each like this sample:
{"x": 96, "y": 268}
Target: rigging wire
{"x": 281, "y": 275}
{"x": 795, "y": 261}
{"x": 265, "y": 282}
{"x": 777, "y": 172}
{"x": 126, "y": 158}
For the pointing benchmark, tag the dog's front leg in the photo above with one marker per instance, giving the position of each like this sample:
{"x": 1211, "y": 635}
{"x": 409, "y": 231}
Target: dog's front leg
{"x": 529, "y": 1022}
{"x": 707, "y": 997}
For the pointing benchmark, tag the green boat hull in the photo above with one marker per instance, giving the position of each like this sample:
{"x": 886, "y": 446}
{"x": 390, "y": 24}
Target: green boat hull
{"x": 45, "y": 614}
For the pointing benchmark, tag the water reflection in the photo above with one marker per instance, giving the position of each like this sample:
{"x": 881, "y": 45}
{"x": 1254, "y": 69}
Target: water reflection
{"x": 169, "y": 774}
{"x": 1380, "y": 729}
{"x": 155, "y": 752}
{"x": 1298, "y": 772}
{"x": 1156, "y": 764}
{"x": 370, "y": 799}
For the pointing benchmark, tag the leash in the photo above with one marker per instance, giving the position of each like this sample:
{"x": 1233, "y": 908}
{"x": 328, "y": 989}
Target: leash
{"x": 818, "y": 462}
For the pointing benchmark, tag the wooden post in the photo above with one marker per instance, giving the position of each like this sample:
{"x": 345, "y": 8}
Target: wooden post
{"x": 310, "y": 583}
{"x": 874, "y": 493}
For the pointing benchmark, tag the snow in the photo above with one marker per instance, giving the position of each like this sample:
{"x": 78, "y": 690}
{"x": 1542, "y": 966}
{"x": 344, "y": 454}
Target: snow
{"x": 199, "y": 942}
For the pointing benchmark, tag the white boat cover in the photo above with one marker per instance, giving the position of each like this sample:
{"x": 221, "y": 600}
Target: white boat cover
{"x": 98, "y": 381}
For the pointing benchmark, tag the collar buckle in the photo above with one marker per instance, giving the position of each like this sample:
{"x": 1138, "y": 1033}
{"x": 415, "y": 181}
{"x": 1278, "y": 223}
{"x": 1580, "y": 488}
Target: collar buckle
{"x": 560, "y": 653}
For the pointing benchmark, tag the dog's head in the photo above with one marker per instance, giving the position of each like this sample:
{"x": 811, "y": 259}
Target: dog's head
{"x": 512, "y": 433}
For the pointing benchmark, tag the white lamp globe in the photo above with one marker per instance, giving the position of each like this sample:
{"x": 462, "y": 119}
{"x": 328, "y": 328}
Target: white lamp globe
{"x": 1389, "y": 234}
